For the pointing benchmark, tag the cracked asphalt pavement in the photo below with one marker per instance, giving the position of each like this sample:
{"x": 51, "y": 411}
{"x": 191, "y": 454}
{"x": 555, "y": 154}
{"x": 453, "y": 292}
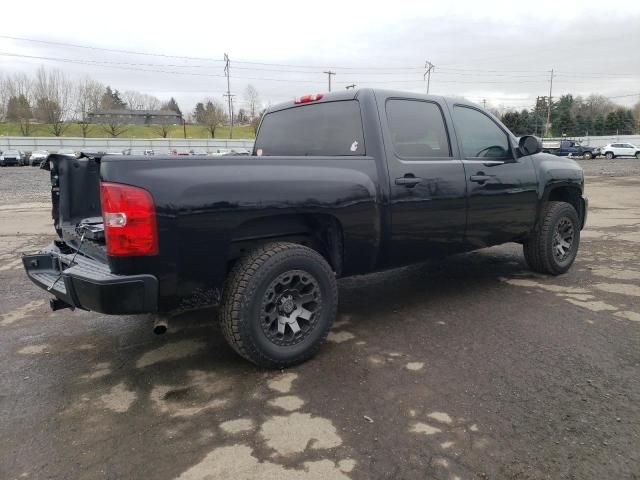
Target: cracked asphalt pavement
{"x": 470, "y": 367}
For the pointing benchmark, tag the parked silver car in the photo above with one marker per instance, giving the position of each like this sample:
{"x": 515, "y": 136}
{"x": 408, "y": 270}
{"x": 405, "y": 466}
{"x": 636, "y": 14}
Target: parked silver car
{"x": 37, "y": 157}
{"x": 11, "y": 157}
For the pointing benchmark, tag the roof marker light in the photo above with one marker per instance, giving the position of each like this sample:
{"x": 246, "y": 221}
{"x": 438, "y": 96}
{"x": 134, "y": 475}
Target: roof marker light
{"x": 314, "y": 97}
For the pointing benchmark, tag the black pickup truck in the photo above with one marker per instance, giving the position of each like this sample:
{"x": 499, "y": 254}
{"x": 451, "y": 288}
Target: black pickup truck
{"x": 568, "y": 148}
{"x": 338, "y": 184}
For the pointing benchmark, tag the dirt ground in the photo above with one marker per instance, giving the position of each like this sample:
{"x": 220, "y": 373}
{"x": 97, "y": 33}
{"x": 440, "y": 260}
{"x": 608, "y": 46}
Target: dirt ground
{"x": 472, "y": 367}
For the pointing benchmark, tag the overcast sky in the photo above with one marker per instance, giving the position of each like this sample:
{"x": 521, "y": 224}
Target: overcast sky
{"x": 501, "y": 51}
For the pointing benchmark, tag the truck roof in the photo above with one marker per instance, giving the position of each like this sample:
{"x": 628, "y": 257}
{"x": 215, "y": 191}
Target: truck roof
{"x": 355, "y": 93}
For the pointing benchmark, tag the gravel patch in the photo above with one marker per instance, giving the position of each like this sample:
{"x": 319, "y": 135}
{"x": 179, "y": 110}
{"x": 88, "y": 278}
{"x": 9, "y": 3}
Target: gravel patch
{"x": 24, "y": 185}
{"x": 617, "y": 167}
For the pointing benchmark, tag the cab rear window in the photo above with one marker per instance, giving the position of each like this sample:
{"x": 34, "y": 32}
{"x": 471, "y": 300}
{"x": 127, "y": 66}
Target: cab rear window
{"x": 320, "y": 129}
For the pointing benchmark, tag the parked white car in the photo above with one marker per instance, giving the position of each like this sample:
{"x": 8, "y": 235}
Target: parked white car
{"x": 621, "y": 150}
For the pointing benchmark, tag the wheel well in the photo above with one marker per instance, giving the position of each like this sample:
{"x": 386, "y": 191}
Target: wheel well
{"x": 321, "y": 232}
{"x": 569, "y": 195}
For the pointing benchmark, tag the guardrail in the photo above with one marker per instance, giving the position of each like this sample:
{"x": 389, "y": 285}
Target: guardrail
{"x": 600, "y": 141}
{"x": 54, "y": 144}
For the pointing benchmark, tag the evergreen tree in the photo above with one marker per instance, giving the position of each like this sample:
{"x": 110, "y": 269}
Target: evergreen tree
{"x": 611, "y": 124}
{"x": 561, "y": 116}
{"x": 111, "y": 100}
{"x": 18, "y": 108}
{"x": 599, "y": 125}
{"x": 629, "y": 122}
{"x": 512, "y": 121}
{"x": 588, "y": 126}
{"x": 171, "y": 106}
{"x": 581, "y": 125}
{"x": 199, "y": 113}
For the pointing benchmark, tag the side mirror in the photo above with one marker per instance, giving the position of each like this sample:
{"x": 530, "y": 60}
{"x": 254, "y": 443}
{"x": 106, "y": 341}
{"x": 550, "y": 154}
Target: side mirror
{"x": 528, "y": 145}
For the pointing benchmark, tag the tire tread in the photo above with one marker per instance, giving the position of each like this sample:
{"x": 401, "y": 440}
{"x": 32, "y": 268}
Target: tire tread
{"x": 237, "y": 291}
{"x": 537, "y": 249}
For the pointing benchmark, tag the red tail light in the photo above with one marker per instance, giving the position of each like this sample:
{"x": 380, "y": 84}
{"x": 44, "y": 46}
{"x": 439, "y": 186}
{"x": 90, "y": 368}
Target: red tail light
{"x": 129, "y": 216}
{"x": 309, "y": 98}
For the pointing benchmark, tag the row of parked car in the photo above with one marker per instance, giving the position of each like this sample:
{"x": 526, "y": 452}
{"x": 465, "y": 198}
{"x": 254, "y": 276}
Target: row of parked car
{"x": 19, "y": 158}
{"x": 573, "y": 148}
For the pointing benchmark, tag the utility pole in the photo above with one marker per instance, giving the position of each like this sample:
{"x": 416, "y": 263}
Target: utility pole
{"x": 227, "y": 72}
{"x": 427, "y": 75}
{"x": 329, "y": 73}
{"x": 348, "y": 87}
{"x": 484, "y": 103}
{"x": 546, "y": 127}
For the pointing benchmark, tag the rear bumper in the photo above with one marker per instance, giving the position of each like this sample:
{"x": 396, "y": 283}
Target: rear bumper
{"x": 89, "y": 285}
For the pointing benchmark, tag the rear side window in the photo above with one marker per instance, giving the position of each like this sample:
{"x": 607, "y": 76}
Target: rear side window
{"x": 417, "y": 129}
{"x": 323, "y": 129}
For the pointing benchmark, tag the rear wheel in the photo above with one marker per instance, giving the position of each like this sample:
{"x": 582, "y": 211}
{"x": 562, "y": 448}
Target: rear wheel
{"x": 552, "y": 249}
{"x": 279, "y": 303}
{"x": 609, "y": 155}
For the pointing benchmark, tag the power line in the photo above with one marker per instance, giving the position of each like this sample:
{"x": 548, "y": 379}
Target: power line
{"x": 99, "y": 64}
{"x": 133, "y": 52}
{"x": 628, "y": 95}
{"x": 378, "y": 69}
{"x": 113, "y": 50}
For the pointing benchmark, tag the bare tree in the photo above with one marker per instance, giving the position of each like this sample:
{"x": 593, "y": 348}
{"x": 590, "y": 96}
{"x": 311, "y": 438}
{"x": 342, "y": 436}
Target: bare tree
{"x": 255, "y": 122}
{"x": 20, "y": 101}
{"x": 88, "y": 95}
{"x": 133, "y": 99}
{"x": 114, "y": 128}
{"x": 54, "y": 99}
{"x": 141, "y": 101}
{"x": 213, "y": 116}
{"x": 595, "y": 105}
{"x": 4, "y": 97}
{"x": 252, "y": 98}
{"x": 162, "y": 129}
{"x": 150, "y": 102}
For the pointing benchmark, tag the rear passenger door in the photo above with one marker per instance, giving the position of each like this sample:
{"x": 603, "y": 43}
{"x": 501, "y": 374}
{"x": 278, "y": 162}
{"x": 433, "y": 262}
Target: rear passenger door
{"x": 427, "y": 186}
{"x": 502, "y": 187}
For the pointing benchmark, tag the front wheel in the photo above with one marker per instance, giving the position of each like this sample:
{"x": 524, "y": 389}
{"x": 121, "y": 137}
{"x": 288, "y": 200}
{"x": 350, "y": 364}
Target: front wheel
{"x": 587, "y": 156}
{"x": 278, "y": 305}
{"x": 609, "y": 155}
{"x": 553, "y": 247}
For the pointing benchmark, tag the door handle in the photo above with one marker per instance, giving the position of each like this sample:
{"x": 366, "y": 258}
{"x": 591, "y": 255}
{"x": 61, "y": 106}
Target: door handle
{"x": 479, "y": 178}
{"x": 408, "y": 181}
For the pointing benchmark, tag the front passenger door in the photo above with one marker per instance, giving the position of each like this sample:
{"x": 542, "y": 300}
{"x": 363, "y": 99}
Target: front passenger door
{"x": 628, "y": 150}
{"x": 501, "y": 187}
